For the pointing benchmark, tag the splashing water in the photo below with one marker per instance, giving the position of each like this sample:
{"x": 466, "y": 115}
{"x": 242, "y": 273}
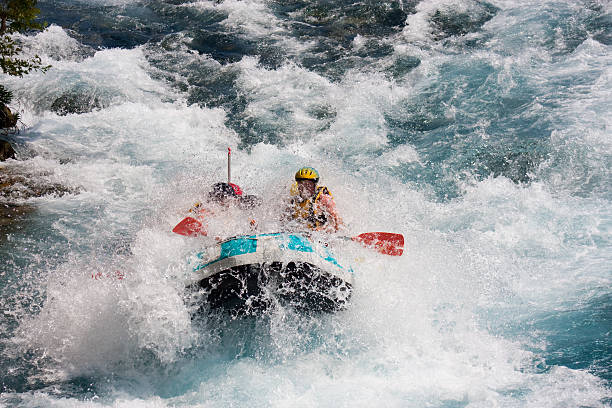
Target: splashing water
{"x": 479, "y": 130}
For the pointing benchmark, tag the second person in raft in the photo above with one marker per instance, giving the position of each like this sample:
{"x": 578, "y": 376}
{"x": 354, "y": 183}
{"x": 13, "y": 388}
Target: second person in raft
{"x": 223, "y": 213}
{"x": 226, "y": 194}
{"x": 310, "y": 205}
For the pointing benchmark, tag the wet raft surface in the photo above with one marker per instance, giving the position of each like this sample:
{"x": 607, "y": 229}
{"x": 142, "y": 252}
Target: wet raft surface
{"x": 251, "y": 289}
{"x": 250, "y": 274}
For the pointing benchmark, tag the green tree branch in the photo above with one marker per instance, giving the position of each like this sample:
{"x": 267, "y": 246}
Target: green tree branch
{"x": 18, "y": 16}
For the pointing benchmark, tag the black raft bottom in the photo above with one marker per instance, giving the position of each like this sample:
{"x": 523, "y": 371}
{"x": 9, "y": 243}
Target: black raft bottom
{"x": 255, "y": 288}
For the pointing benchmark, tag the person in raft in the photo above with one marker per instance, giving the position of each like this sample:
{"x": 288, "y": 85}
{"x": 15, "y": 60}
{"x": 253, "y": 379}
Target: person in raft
{"x": 226, "y": 195}
{"x": 228, "y": 200}
{"x": 310, "y": 205}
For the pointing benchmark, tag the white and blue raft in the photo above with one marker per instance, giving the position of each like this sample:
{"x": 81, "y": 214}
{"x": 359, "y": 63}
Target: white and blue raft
{"x": 249, "y": 274}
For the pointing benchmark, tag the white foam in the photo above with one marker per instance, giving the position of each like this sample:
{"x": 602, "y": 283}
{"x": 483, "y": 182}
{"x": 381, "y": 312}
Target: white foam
{"x": 54, "y": 44}
{"x": 417, "y": 331}
{"x": 418, "y": 27}
{"x": 112, "y": 77}
{"x": 105, "y": 2}
{"x": 288, "y": 96}
{"x": 250, "y": 17}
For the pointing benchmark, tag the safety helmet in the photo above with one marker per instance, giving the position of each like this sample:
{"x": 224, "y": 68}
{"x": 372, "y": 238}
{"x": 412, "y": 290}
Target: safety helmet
{"x": 307, "y": 173}
{"x": 221, "y": 191}
{"x": 236, "y": 188}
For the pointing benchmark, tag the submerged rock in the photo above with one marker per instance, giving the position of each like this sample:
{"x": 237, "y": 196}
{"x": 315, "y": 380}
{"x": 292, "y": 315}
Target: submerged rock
{"x": 448, "y": 22}
{"x": 76, "y": 102}
{"x": 402, "y": 65}
{"x": 6, "y": 150}
{"x": 17, "y": 185}
{"x": 8, "y": 119}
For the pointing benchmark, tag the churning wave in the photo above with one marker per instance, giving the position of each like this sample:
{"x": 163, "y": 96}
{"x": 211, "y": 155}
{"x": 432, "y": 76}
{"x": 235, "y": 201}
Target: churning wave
{"x": 479, "y": 130}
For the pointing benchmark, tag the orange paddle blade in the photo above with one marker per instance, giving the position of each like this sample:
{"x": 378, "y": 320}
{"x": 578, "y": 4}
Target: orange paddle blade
{"x": 190, "y": 227}
{"x": 387, "y": 243}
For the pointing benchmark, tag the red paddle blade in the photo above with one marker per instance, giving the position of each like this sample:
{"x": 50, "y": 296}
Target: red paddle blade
{"x": 190, "y": 227}
{"x": 387, "y": 243}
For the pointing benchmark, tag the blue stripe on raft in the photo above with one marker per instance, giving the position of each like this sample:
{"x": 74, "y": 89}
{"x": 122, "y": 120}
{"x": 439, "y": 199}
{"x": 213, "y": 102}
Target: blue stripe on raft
{"x": 295, "y": 243}
{"x": 329, "y": 258}
{"x": 238, "y": 246}
{"x": 302, "y": 244}
{"x": 248, "y": 245}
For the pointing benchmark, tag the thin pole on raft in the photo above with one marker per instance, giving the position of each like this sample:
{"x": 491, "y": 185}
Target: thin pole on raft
{"x": 229, "y": 160}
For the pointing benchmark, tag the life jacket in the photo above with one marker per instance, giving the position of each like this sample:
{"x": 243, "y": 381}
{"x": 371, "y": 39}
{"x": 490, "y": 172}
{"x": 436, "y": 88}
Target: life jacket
{"x": 307, "y": 210}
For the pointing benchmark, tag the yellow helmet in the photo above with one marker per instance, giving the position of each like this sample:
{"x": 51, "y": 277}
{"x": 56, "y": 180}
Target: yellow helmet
{"x": 307, "y": 173}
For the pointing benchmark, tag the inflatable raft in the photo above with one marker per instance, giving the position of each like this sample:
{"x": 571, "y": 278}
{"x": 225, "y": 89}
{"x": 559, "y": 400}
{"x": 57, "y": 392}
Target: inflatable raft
{"x": 249, "y": 274}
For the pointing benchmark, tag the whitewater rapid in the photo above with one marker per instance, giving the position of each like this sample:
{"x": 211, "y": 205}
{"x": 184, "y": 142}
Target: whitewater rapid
{"x": 489, "y": 150}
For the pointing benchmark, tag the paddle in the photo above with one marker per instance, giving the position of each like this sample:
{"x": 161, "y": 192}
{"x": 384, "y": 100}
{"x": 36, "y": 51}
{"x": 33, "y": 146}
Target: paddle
{"x": 387, "y": 243}
{"x": 190, "y": 227}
